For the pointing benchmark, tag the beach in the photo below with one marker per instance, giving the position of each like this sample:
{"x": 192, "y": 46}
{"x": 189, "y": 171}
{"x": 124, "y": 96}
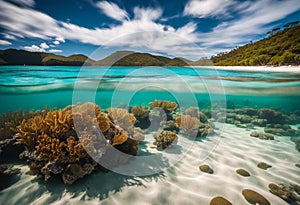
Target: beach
{"x": 281, "y": 69}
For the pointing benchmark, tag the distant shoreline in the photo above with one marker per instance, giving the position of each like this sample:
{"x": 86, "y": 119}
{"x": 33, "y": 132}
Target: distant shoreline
{"x": 281, "y": 69}
{"x": 288, "y": 69}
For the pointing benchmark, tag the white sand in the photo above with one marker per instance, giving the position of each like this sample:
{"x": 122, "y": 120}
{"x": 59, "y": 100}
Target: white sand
{"x": 182, "y": 183}
{"x": 292, "y": 69}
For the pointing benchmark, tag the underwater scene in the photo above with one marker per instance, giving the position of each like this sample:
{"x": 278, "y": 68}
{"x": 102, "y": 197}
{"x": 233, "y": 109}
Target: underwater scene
{"x": 148, "y": 135}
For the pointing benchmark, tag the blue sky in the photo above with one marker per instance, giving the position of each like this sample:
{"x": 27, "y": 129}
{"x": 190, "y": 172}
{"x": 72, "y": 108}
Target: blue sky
{"x": 183, "y": 28}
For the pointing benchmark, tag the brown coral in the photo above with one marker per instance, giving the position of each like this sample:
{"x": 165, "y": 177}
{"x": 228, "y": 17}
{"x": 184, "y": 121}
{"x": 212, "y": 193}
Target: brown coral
{"x": 167, "y": 106}
{"x": 165, "y": 139}
{"x": 53, "y": 146}
{"x": 10, "y": 120}
{"x": 188, "y": 125}
{"x": 120, "y": 139}
{"x": 140, "y": 111}
{"x": 122, "y": 118}
{"x": 192, "y": 111}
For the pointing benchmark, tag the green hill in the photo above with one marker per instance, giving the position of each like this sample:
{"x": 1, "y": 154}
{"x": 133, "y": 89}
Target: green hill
{"x": 130, "y": 58}
{"x": 111, "y": 59}
{"x": 21, "y": 57}
{"x": 281, "y": 48}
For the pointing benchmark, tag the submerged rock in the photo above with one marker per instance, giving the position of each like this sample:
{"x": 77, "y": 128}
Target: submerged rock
{"x": 262, "y": 136}
{"x": 5, "y": 170}
{"x": 263, "y": 165}
{"x": 206, "y": 168}
{"x": 243, "y": 172}
{"x": 10, "y": 150}
{"x": 271, "y": 116}
{"x": 288, "y": 193}
{"x": 169, "y": 126}
{"x": 254, "y": 198}
{"x": 280, "y": 129}
{"x": 296, "y": 140}
{"x": 259, "y": 122}
{"x": 219, "y": 201}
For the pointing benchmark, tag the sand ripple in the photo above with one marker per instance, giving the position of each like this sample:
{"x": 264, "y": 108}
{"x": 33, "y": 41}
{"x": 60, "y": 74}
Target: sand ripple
{"x": 183, "y": 183}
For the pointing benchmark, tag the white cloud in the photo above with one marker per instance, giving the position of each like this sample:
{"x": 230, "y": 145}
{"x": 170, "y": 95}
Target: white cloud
{"x": 112, "y": 10}
{"x": 143, "y": 32}
{"x": 34, "y": 48}
{"x": 5, "y": 43}
{"x": 255, "y": 19}
{"x": 207, "y": 8}
{"x": 56, "y": 42}
{"x": 8, "y": 36}
{"x": 145, "y": 14}
{"x": 55, "y": 51}
{"x": 29, "y": 3}
{"x": 60, "y": 39}
{"x": 44, "y": 45}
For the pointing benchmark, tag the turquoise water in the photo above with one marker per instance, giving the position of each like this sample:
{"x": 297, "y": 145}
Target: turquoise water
{"x": 34, "y": 87}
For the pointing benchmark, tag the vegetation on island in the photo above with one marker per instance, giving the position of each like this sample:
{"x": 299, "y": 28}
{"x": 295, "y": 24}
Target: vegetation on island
{"x": 21, "y": 57}
{"x": 281, "y": 47}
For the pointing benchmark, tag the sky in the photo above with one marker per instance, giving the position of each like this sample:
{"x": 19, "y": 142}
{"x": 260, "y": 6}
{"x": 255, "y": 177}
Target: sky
{"x": 183, "y": 28}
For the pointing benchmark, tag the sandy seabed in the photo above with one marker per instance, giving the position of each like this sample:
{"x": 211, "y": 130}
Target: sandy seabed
{"x": 182, "y": 183}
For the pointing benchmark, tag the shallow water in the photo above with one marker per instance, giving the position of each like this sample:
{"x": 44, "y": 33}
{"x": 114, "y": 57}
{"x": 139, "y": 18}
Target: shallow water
{"x": 34, "y": 87}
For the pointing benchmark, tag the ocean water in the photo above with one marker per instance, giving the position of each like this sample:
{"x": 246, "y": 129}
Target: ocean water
{"x": 230, "y": 148}
{"x": 34, "y": 87}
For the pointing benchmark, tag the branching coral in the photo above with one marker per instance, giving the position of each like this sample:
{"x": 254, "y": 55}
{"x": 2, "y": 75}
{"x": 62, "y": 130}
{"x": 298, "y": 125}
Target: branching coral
{"x": 188, "y": 125}
{"x": 61, "y": 141}
{"x": 165, "y": 139}
{"x": 167, "y": 106}
{"x": 10, "y": 120}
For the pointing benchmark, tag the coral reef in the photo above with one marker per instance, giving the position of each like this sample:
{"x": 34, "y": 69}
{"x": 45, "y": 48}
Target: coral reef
{"x": 167, "y": 106}
{"x": 60, "y": 141}
{"x": 188, "y": 125}
{"x": 141, "y": 113}
{"x": 262, "y": 135}
{"x": 254, "y": 198}
{"x": 290, "y": 193}
{"x": 138, "y": 134}
{"x": 10, "y": 120}
{"x": 122, "y": 118}
{"x": 157, "y": 118}
{"x": 169, "y": 126}
{"x": 165, "y": 139}
{"x": 192, "y": 111}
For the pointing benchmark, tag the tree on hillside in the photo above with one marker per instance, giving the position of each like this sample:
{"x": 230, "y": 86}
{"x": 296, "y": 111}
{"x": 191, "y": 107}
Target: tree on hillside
{"x": 291, "y": 24}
